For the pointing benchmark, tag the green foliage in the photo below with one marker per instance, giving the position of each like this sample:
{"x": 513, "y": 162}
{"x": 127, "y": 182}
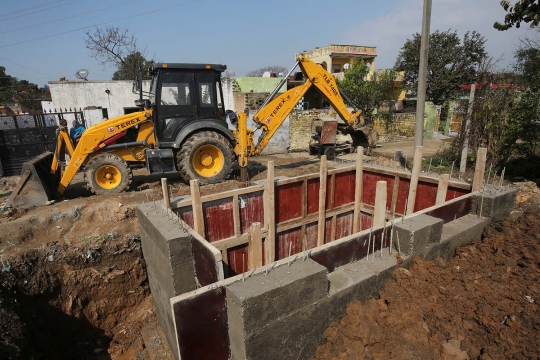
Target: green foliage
{"x": 451, "y": 62}
{"x": 527, "y": 11}
{"x": 127, "y": 69}
{"x": 15, "y": 91}
{"x": 366, "y": 93}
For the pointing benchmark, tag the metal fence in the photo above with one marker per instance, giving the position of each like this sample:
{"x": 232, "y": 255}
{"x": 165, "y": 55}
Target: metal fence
{"x": 23, "y": 137}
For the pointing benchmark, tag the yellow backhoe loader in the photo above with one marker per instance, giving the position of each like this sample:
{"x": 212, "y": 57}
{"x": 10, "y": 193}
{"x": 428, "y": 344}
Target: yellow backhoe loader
{"x": 181, "y": 127}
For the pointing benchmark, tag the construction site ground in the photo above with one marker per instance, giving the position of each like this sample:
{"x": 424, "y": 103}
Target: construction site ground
{"x": 73, "y": 282}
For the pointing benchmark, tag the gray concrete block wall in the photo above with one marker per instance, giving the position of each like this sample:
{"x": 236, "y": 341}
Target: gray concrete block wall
{"x": 413, "y": 235}
{"x": 494, "y": 202}
{"x": 257, "y": 303}
{"x": 169, "y": 264}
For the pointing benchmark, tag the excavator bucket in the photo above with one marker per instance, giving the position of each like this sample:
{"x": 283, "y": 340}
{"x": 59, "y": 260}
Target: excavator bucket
{"x": 37, "y": 184}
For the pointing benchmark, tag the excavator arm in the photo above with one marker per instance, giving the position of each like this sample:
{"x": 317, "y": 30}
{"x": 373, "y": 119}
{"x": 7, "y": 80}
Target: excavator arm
{"x": 272, "y": 115}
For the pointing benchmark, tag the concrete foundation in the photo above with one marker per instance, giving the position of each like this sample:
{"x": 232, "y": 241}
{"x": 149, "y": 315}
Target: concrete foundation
{"x": 282, "y": 309}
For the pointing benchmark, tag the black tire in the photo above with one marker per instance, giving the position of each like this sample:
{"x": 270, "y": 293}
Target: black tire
{"x": 99, "y": 166}
{"x": 330, "y": 152}
{"x": 186, "y": 157}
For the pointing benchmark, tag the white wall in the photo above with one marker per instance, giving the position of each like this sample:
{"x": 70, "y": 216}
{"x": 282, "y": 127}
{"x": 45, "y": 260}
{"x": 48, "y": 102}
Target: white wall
{"x": 81, "y": 94}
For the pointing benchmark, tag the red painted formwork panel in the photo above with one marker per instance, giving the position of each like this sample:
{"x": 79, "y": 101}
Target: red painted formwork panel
{"x": 403, "y": 194}
{"x": 426, "y": 195}
{"x": 328, "y": 229}
{"x": 344, "y": 223}
{"x": 288, "y": 202}
{"x": 186, "y": 214}
{"x": 312, "y": 232}
{"x": 370, "y": 187}
{"x": 218, "y": 219}
{"x": 313, "y": 195}
{"x": 238, "y": 259}
{"x": 344, "y": 188}
{"x": 283, "y": 241}
{"x": 453, "y": 193}
{"x": 365, "y": 221}
{"x": 251, "y": 210}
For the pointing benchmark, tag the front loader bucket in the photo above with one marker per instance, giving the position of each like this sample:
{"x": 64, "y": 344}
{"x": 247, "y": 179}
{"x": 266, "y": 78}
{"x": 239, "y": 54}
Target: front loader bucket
{"x": 37, "y": 184}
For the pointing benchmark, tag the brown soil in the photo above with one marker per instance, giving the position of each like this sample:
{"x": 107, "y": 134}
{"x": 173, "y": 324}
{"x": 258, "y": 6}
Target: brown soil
{"x": 73, "y": 281}
{"x": 481, "y": 304}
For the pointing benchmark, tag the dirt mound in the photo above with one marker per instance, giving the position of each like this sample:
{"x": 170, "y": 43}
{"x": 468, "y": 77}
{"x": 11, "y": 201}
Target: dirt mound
{"x": 481, "y": 304}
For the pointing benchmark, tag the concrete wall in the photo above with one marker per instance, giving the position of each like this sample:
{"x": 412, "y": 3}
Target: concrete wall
{"x": 82, "y": 94}
{"x": 282, "y": 311}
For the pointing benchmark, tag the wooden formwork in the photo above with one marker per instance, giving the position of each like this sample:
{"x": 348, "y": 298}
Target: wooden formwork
{"x": 282, "y": 217}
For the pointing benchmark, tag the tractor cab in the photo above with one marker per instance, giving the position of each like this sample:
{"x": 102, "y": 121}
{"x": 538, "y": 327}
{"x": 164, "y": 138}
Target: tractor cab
{"x": 184, "y": 97}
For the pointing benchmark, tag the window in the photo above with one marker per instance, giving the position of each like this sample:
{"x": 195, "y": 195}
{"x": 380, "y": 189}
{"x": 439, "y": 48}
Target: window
{"x": 175, "y": 94}
{"x": 206, "y": 94}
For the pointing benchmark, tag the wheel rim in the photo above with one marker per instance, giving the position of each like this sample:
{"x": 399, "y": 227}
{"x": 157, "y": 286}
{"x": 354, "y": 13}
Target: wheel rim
{"x": 208, "y": 161}
{"x": 108, "y": 177}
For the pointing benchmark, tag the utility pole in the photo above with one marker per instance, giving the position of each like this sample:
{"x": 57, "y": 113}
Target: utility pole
{"x": 422, "y": 76}
{"x": 465, "y": 151}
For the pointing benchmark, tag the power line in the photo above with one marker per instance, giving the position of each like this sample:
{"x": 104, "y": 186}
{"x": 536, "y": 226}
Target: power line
{"x": 14, "y": 63}
{"x": 103, "y": 23}
{"x": 52, "y": 7}
{"x": 33, "y": 7}
{"x": 70, "y": 17}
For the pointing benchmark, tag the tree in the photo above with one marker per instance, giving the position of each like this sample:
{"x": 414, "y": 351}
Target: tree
{"x": 527, "y": 63}
{"x": 118, "y": 47}
{"x": 15, "y": 91}
{"x": 130, "y": 66}
{"x": 365, "y": 93}
{"x": 527, "y": 11}
{"x": 451, "y": 63}
{"x": 272, "y": 69}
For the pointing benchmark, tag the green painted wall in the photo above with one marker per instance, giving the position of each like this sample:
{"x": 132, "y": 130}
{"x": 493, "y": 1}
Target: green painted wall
{"x": 259, "y": 84}
{"x": 431, "y": 112}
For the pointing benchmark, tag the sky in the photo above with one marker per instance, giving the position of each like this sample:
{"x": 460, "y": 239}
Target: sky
{"x": 43, "y": 40}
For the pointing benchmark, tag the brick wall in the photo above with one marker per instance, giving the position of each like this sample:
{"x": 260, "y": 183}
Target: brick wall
{"x": 391, "y": 127}
{"x": 300, "y": 127}
{"x": 396, "y": 126}
{"x": 252, "y": 101}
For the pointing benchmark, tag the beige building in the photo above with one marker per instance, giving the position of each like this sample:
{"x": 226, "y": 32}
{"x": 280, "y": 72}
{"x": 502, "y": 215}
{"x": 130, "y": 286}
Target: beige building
{"x": 335, "y": 57}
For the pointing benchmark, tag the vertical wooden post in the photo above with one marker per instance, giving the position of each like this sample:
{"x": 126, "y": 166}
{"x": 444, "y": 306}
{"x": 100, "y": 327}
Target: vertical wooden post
{"x": 236, "y": 216}
{"x": 358, "y": 188}
{"x": 480, "y": 169}
{"x": 271, "y": 213}
{"x": 417, "y": 166}
{"x": 442, "y": 189}
{"x": 323, "y": 178}
{"x": 196, "y": 206}
{"x": 379, "y": 212}
{"x": 166, "y": 195}
{"x": 255, "y": 246}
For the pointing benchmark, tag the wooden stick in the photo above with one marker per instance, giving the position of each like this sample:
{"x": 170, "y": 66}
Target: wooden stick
{"x": 380, "y": 204}
{"x": 369, "y": 241}
{"x": 480, "y": 169}
{"x": 358, "y": 188}
{"x": 166, "y": 196}
{"x": 271, "y": 213}
{"x": 255, "y": 246}
{"x": 442, "y": 189}
{"x": 417, "y": 166}
{"x": 196, "y": 206}
{"x": 322, "y": 200}
{"x": 289, "y": 260}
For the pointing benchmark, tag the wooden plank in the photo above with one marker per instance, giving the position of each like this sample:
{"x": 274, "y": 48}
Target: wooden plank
{"x": 236, "y": 216}
{"x": 271, "y": 214}
{"x": 304, "y": 198}
{"x": 395, "y": 193}
{"x": 442, "y": 189}
{"x": 255, "y": 247}
{"x": 358, "y": 189}
{"x": 334, "y": 229}
{"x": 332, "y": 187}
{"x": 196, "y": 205}
{"x": 417, "y": 166}
{"x": 323, "y": 176}
{"x": 166, "y": 195}
{"x": 379, "y": 214}
{"x": 480, "y": 169}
